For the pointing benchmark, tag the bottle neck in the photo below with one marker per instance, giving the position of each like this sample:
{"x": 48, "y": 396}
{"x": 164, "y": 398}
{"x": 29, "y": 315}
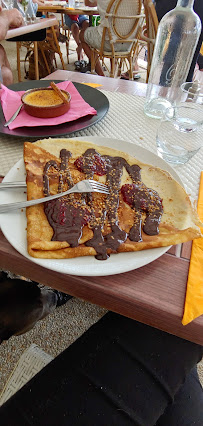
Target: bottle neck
{"x": 185, "y": 3}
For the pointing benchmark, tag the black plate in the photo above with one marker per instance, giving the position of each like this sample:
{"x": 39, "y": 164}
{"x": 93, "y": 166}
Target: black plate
{"x": 92, "y": 96}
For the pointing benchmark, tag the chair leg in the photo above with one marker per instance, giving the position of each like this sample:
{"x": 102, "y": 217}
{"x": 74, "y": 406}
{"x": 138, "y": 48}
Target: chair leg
{"x": 45, "y": 59}
{"x": 93, "y": 61}
{"x": 66, "y": 31}
{"x": 67, "y": 50}
{"x": 67, "y": 44}
{"x": 58, "y": 47}
{"x": 55, "y": 63}
{"x": 131, "y": 68}
{"x": 36, "y": 60}
{"x": 18, "y": 60}
{"x": 119, "y": 67}
{"x": 112, "y": 60}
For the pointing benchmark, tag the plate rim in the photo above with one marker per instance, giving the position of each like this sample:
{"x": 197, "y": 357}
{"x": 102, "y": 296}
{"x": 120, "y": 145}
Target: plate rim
{"x": 78, "y": 270}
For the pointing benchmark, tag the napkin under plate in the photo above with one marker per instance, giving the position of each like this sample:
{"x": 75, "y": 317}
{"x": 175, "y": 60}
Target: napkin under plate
{"x": 11, "y": 100}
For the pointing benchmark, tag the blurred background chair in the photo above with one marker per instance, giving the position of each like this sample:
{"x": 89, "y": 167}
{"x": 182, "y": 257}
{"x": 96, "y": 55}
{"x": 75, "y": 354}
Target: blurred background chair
{"x": 67, "y": 33}
{"x": 149, "y": 31}
{"x": 124, "y": 22}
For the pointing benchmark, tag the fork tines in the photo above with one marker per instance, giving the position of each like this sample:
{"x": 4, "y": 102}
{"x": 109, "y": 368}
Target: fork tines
{"x": 97, "y": 186}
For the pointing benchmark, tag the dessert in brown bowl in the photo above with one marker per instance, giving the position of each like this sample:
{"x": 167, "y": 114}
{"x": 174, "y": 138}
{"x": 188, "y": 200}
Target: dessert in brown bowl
{"x": 44, "y": 102}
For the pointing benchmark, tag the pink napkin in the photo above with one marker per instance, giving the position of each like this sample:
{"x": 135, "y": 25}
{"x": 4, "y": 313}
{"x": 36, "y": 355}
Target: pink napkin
{"x": 11, "y": 100}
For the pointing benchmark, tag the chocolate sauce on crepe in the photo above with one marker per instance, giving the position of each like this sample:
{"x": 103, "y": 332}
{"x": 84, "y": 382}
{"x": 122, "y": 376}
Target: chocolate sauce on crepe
{"x": 68, "y": 215}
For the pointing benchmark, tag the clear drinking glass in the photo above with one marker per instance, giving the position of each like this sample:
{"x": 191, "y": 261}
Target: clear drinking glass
{"x": 24, "y": 4}
{"x": 192, "y": 92}
{"x": 7, "y": 4}
{"x": 29, "y": 10}
{"x": 71, "y": 3}
{"x": 180, "y": 134}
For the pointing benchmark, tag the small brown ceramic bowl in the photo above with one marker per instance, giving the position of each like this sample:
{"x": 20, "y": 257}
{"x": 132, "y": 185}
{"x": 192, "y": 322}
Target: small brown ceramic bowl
{"x": 45, "y": 102}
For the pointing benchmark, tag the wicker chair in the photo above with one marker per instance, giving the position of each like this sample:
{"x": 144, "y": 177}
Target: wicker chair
{"x": 67, "y": 33}
{"x": 150, "y": 31}
{"x": 123, "y": 25}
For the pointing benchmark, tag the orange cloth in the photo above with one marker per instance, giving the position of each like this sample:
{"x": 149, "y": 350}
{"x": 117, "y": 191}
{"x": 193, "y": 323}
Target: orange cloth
{"x": 194, "y": 293}
{"x": 92, "y": 84}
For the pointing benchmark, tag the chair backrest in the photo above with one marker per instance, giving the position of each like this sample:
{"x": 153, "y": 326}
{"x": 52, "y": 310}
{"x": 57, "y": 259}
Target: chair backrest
{"x": 149, "y": 34}
{"x": 123, "y": 16}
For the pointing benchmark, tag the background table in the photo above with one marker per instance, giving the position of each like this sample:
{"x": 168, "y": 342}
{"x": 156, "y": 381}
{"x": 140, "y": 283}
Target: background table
{"x": 153, "y": 294}
{"x": 81, "y": 10}
{"x": 64, "y": 10}
{"x": 41, "y": 23}
{"x": 30, "y": 28}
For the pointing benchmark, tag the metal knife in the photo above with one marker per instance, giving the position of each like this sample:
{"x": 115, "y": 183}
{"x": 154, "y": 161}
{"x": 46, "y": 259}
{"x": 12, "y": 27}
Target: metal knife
{"x": 13, "y": 116}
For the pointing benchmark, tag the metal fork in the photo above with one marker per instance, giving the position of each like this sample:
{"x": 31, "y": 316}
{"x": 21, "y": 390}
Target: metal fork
{"x": 12, "y": 185}
{"x": 82, "y": 186}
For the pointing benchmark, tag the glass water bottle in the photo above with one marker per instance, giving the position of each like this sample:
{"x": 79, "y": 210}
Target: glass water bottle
{"x": 176, "y": 41}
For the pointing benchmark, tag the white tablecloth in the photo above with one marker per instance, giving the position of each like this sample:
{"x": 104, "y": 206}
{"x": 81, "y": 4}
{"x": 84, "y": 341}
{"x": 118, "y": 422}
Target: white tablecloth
{"x": 124, "y": 120}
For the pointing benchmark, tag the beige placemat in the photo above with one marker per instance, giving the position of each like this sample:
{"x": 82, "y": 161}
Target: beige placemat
{"x": 11, "y": 150}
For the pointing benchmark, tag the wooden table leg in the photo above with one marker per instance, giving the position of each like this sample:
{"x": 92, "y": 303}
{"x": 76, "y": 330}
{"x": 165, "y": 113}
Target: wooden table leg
{"x": 36, "y": 60}
{"x": 18, "y": 60}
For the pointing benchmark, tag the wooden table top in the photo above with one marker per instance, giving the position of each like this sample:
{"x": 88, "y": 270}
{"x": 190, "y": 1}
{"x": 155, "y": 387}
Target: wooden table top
{"x": 81, "y": 10}
{"x": 30, "y": 28}
{"x": 153, "y": 294}
{"x": 110, "y": 84}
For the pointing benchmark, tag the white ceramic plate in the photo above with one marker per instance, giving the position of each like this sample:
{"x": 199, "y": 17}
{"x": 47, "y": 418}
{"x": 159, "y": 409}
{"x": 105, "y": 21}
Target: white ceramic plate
{"x": 14, "y": 224}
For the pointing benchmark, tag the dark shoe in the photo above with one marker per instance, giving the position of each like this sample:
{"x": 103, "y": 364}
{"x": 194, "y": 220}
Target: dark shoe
{"x": 80, "y": 66}
{"x": 77, "y": 65}
{"x": 62, "y": 298}
{"x": 87, "y": 68}
{"x": 125, "y": 76}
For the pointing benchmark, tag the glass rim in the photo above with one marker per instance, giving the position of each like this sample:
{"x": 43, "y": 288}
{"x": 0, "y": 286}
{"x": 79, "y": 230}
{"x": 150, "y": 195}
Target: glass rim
{"x": 192, "y": 83}
{"x": 186, "y": 105}
{"x": 172, "y": 111}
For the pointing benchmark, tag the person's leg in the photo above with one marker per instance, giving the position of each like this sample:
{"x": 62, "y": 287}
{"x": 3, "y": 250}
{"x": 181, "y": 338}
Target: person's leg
{"x": 90, "y": 37}
{"x": 6, "y": 73}
{"x": 187, "y": 408}
{"x": 75, "y": 34}
{"x": 74, "y": 28}
{"x": 83, "y": 23}
{"x": 119, "y": 373}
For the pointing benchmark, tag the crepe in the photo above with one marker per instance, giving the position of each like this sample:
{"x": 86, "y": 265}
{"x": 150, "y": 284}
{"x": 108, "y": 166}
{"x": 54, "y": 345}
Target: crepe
{"x": 146, "y": 207}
